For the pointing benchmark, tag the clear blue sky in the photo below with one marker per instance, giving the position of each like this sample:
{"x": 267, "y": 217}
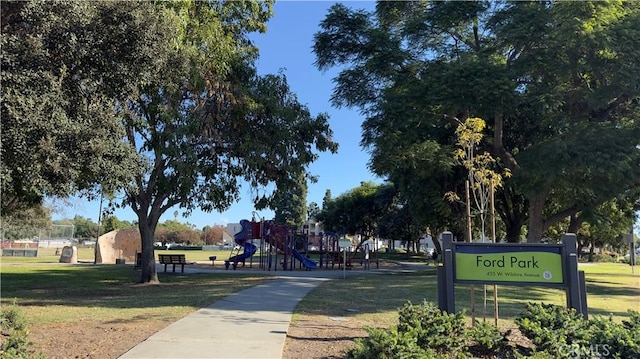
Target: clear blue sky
{"x": 287, "y": 45}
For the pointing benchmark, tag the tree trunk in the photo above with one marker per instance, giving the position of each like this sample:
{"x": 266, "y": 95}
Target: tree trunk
{"x": 149, "y": 273}
{"x": 513, "y": 232}
{"x": 537, "y": 222}
{"x": 436, "y": 244}
{"x": 574, "y": 223}
{"x": 512, "y": 211}
{"x": 580, "y": 246}
{"x": 498, "y": 145}
{"x": 574, "y": 226}
{"x": 536, "y": 218}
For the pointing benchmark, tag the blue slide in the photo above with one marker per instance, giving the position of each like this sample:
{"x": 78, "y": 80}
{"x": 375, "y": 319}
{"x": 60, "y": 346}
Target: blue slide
{"x": 242, "y": 238}
{"x": 308, "y": 263}
{"x": 249, "y": 250}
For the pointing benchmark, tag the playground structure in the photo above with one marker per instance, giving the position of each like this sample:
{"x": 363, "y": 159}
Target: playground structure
{"x": 281, "y": 246}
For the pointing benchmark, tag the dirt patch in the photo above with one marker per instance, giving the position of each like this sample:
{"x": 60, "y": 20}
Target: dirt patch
{"x": 321, "y": 337}
{"x": 98, "y": 340}
{"x": 316, "y": 337}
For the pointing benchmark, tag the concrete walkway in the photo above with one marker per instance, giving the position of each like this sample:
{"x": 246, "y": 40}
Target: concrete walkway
{"x": 252, "y": 323}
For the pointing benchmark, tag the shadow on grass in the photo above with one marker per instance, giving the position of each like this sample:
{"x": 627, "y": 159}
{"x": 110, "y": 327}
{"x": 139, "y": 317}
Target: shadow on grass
{"x": 606, "y": 313}
{"x": 623, "y": 275}
{"x": 599, "y": 287}
{"x": 512, "y": 299}
{"x": 388, "y": 293}
{"x": 116, "y": 287}
{"x": 369, "y": 294}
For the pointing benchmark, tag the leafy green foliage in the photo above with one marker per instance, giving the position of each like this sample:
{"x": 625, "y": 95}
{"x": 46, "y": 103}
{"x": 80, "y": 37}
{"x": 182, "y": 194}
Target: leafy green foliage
{"x": 160, "y": 99}
{"x": 84, "y": 228}
{"x": 560, "y": 332}
{"x": 633, "y": 324}
{"x": 15, "y": 335}
{"x": 552, "y": 328}
{"x": 487, "y": 338}
{"x": 172, "y": 231}
{"x": 483, "y": 179}
{"x": 390, "y": 343}
{"x": 434, "y": 328}
{"x": 25, "y": 223}
{"x": 400, "y": 224}
{"x": 312, "y": 210}
{"x": 556, "y": 83}
{"x": 423, "y": 331}
{"x": 621, "y": 340}
{"x": 600, "y": 258}
{"x": 290, "y": 203}
{"x": 110, "y": 223}
{"x": 64, "y": 65}
{"x": 357, "y": 211}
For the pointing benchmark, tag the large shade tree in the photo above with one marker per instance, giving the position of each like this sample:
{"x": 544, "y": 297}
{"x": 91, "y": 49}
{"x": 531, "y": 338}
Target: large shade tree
{"x": 557, "y": 83}
{"x": 159, "y": 99}
{"x": 358, "y": 211}
{"x": 208, "y": 121}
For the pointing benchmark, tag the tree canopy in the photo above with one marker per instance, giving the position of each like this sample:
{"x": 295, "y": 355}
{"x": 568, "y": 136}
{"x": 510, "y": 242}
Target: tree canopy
{"x": 358, "y": 211}
{"x": 556, "y": 82}
{"x": 159, "y": 99}
{"x": 291, "y": 203}
{"x": 65, "y": 64}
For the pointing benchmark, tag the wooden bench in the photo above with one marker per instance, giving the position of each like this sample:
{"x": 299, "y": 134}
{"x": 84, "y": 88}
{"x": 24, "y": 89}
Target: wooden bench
{"x": 173, "y": 259}
{"x": 337, "y": 259}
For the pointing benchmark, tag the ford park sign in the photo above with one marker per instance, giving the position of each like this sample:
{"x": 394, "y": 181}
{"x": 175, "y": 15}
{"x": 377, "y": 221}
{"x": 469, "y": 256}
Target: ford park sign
{"x": 544, "y": 265}
{"x": 481, "y": 262}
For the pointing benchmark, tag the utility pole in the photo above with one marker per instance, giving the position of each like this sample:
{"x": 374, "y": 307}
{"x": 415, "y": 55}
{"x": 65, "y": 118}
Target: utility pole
{"x": 95, "y": 247}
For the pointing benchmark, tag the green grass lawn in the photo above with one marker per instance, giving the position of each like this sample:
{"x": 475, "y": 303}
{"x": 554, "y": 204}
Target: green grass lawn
{"x": 611, "y": 290}
{"x": 47, "y": 291}
{"x": 52, "y": 292}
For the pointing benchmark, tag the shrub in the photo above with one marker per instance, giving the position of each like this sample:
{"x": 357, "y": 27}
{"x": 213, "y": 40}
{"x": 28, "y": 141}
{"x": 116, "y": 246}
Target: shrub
{"x": 633, "y": 324}
{"x": 390, "y": 343}
{"x": 487, "y": 338}
{"x": 15, "y": 341}
{"x": 423, "y": 331}
{"x": 552, "y": 328}
{"x": 444, "y": 332}
{"x": 617, "y": 340}
{"x": 562, "y": 332}
{"x": 605, "y": 258}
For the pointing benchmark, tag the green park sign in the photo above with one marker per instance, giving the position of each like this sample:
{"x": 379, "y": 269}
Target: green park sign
{"x": 541, "y": 265}
{"x": 478, "y": 262}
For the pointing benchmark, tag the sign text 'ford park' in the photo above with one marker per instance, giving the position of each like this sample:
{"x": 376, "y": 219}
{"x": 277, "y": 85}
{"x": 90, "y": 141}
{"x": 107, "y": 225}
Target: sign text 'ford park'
{"x": 485, "y": 263}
